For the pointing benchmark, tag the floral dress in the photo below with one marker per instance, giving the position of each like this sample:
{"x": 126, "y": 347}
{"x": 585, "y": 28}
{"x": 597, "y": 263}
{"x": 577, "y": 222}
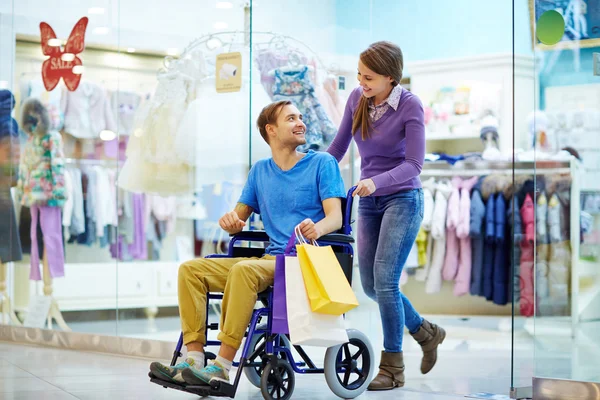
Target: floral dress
{"x": 296, "y": 86}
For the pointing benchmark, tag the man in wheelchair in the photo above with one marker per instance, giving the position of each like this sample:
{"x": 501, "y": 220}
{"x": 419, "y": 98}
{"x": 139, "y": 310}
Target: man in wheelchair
{"x": 288, "y": 189}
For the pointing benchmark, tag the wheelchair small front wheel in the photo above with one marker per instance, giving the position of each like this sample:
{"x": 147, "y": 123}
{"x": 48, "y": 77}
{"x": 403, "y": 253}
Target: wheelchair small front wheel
{"x": 278, "y": 380}
{"x": 349, "y": 367}
{"x": 259, "y": 361}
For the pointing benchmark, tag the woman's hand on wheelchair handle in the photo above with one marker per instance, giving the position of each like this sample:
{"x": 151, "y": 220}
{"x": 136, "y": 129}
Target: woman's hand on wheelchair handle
{"x": 310, "y": 230}
{"x": 364, "y": 188}
{"x": 231, "y": 223}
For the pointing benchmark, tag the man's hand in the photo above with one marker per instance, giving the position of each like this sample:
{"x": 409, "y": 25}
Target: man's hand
{"x": 231, "y": 223}
{"x": 364, "y": 188}
{"x": 310, "y": 230}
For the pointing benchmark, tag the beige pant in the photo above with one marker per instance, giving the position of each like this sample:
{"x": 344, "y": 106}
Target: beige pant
{"x": 240, "y": 279}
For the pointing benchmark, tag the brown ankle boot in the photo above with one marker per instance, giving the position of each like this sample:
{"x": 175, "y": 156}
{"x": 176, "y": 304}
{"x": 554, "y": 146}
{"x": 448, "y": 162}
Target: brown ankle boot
{"x": 391, "y": 372}
{"x": 429, "y": 336}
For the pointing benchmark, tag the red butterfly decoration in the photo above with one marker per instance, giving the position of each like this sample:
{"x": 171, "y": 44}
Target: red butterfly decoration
{"x": 56, "y": 67}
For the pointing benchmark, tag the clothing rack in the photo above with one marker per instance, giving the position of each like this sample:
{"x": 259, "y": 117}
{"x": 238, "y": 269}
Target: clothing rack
{"x": 260, "y": 38}
{"x": 542, "y": 167}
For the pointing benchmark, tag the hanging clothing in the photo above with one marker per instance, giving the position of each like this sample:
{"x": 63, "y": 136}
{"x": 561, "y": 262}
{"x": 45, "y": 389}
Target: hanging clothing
{"x": 152, "y": 165}
{"x": 489, "y": 248}
{"x": 87, "y": 111}
{"x": 296, "y": 85}
{"x": 464, "y": 269}
{"x": 452, "y": 242}
{"x": 50, "y": 221}
{"x": 138, "y": 249}
{"x": 270, "y": 59}
{"x": 477, "y": 234}
{"x": 560, "y": 256}
{"x": 125, "y": 105}
{"x": 438, "y": 233}
{"x": 428, "y": 208}
{"x": 41, "y": 171}
{"x": 514, "y": 238}
{"x": 501, "y": 267}
{"x": 527, "y": 303}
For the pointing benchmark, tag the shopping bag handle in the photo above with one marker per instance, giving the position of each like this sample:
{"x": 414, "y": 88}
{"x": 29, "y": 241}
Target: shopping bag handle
{"x": 297, "y": 237}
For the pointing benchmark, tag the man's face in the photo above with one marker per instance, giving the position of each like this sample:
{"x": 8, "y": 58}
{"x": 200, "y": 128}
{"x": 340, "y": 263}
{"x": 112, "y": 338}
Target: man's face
{"x": 290, "y": 129}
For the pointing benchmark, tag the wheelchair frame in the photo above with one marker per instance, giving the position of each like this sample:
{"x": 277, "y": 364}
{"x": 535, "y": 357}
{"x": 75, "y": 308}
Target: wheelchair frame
{"x": 342, "y": 240}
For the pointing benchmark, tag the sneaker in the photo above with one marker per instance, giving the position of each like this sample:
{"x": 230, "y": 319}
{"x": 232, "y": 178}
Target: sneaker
{"x": 204, "y": 376}
{"x": 171, "y": 374}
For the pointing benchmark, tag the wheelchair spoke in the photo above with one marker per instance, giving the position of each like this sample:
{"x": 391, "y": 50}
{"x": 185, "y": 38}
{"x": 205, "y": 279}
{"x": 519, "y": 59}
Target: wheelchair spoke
{"x": 272, "y": 390}
{"x": 358, "y": 353}
{"x": 347, "y": 376}
{"x": 347, "y": 351}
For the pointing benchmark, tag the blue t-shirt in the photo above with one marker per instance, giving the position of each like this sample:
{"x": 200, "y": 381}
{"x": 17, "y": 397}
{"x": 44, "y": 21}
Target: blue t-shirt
{"x": 286, "y": 198}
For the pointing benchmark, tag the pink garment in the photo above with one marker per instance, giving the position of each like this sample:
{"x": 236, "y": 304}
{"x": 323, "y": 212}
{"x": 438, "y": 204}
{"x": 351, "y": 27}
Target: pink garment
{"x": 51, "y": 223}
{"x": 527, "y": 304}
{"x": 452, "y": 242}
{"x": 463, "y": 275}
{"x": 164, "y": 209}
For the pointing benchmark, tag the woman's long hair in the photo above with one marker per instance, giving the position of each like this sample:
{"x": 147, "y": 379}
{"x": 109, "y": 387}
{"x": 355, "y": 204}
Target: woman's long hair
{"x": 383, "y": 58}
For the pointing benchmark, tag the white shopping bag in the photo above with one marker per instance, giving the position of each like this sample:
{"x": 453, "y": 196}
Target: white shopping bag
{"x": 306, "y": 327}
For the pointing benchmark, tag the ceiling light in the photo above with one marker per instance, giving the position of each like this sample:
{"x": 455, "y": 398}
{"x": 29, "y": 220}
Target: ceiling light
{"x": 54, "y": 42}
{"x": 78, "y": 69}
{"x": 172, "y": 52}
{"x": 67, "y": 57}
{"x": 130, "y": 50}
{"x": 224, "y": 4}
{"x": 96, "y": 11}
{"x": 107, "y": 135}
{"x": 220, "y": 25}
{"x": 101, "y": 30}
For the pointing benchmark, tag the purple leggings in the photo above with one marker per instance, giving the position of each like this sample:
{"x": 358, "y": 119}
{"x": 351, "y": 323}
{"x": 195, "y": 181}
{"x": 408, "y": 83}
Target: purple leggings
{"x": 51, "y": 222}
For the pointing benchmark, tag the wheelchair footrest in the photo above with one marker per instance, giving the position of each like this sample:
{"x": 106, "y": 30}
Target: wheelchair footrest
{"x": 221, "y": 390}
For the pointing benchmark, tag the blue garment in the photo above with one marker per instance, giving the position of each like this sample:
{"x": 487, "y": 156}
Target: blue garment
{"x": 286, "y": 198}
{"x": 501, "y": 267}
{"x": 387, "y": 229}
{"x": 297, "y": 87}
{"x": 490, "y": 246}
{"x": 476, "y": 233}
{"x": 515, "y": 229}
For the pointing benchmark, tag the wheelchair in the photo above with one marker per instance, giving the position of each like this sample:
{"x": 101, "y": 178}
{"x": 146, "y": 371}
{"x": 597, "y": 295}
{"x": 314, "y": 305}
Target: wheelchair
{"x": 266, "y": 359}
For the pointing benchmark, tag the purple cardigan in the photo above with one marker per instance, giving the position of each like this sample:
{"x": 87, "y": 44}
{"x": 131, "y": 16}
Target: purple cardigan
{"x": 393, "y": 156}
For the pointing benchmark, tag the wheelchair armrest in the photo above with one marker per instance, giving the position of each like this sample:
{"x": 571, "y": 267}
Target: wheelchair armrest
{"x": 257, "y": 236}
{"x": 337, "y": 237}
{"x": 261, "y": 236}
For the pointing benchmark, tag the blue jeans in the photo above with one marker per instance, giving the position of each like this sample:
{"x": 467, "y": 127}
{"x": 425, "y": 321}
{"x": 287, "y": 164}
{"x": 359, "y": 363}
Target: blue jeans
{"x": 387, "y": 229}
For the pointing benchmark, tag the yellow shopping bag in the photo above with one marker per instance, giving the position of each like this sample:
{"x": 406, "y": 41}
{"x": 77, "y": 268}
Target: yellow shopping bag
{"x": 326, "y": 285}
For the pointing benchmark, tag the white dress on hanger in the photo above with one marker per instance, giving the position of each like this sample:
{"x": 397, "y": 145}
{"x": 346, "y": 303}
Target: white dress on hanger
{"x": 153, "y": 164}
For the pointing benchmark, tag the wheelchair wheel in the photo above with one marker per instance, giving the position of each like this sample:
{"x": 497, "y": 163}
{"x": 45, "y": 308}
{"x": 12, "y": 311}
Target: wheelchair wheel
{"x": 254, "y": 373}
{"x": 278, "y": 380}
{"x": 349, "y": 367}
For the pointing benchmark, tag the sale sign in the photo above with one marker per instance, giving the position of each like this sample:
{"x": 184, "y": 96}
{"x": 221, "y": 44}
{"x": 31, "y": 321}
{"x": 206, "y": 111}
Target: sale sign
{"x": 62, "y": 63}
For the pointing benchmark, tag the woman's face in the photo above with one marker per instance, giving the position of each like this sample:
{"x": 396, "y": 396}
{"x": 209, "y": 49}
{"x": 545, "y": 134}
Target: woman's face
{"x": 372, "y": 83}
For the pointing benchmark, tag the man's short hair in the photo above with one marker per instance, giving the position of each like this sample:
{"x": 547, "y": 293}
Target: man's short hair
{"x": 269, "y": 115}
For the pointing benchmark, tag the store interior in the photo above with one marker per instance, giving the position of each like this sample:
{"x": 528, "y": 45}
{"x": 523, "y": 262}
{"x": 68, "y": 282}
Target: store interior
{"x": 152, "y": 152}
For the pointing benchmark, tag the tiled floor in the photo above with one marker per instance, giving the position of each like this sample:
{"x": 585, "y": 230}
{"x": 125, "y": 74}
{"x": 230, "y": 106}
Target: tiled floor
{"x": 28, "y": 373}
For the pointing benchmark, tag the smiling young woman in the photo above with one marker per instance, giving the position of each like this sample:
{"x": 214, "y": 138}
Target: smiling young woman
{"x": 387, "y": 124}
